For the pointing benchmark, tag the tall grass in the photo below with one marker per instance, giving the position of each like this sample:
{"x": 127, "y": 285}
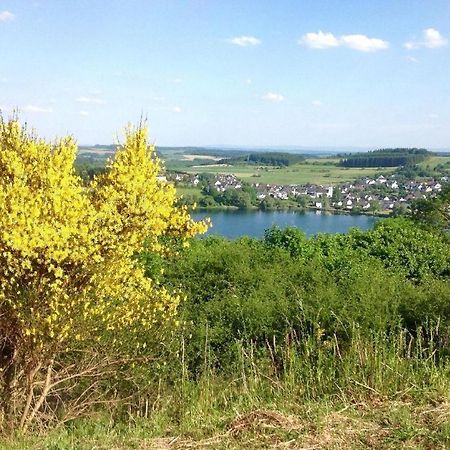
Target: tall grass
{"x": 307, "y": 377}
{"x": 386, "y": 366}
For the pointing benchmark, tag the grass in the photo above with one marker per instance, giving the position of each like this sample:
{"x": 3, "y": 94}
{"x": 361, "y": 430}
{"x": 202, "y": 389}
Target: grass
{"x": 371, "y": 424}
{"x": 188, "y": 190}
{"x": 433, "y": 161}
{"x": 389, "y": 392}
{"x": 318, "y": 173}
{"x": 314, "y": 170}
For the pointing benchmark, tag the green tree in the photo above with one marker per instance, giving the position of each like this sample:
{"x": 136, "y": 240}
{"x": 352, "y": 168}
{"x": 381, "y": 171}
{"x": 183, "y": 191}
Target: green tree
{"x": 433, "y": 212}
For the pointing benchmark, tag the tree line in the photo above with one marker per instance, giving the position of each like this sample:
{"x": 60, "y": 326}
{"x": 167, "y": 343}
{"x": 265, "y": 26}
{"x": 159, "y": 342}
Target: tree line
{"x": 388, "y": 157}
{"x": 265, "y": 159}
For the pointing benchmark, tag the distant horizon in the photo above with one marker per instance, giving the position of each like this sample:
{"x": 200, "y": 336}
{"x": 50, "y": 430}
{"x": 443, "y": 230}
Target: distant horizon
{"x": 292, "y": 148}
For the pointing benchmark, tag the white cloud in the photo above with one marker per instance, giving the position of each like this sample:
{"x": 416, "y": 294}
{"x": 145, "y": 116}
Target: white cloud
{"x": 6, "y": 16}
{"x": 244, "y": 41}
{"x": 359, "y": 42}
{"x": 431, "y": 38}
{"x": 36, "y": 109}
{"x": 363, "y": 43}
{"x": 319, "y": 40}
{"x": 177, "y": 80}
{"x": 433, "y": 116}
{"x": 412, "y": 59}
{"x": 434, "y": 39}
{"x": 317, "y": 103}
{"x": 248, "y": 81}
{"x": 84, "y": 113}
{"x": 91, "y": 100}
{"x": 273, "y": 97}
{"x": 176, "y": 109}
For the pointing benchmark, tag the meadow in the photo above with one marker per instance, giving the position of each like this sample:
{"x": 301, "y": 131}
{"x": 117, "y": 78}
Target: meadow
{"x": 320, "y": 170}
{"x": 317, "y": 172}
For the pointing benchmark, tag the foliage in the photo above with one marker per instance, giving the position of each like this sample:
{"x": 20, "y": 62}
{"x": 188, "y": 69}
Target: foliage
{"x": 265, "y": 158}
{"x": 387, "y": 157}
{"x": 433, "y": 212}
{"x": 68, "y": 279}
{"x": 253, "y": 291}
{"x": 287, "y": 322}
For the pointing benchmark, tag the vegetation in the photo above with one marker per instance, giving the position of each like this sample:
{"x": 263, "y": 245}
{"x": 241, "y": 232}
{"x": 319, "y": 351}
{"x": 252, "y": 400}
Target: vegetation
{"x": 433, "y": 212}
{"x": 334, "y": 341}
{"x": 68, "y": 280}
{"x": 266, "y": 158}
{"x": 386, "y": 157}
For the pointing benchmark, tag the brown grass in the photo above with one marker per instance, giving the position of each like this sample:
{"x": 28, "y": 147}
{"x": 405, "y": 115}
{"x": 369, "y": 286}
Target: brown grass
{"x": 354, "y": 427}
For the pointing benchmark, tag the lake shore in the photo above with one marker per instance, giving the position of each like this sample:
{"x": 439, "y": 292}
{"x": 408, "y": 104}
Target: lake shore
{"x": 382, "y": 214}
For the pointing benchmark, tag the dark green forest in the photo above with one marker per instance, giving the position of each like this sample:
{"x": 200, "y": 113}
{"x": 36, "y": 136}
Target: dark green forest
{"x": 265, "y": 158}
{"x": 387, "y": 157}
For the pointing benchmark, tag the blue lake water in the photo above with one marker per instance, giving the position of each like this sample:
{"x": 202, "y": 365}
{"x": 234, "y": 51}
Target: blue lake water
{"x": 237, "y": 223}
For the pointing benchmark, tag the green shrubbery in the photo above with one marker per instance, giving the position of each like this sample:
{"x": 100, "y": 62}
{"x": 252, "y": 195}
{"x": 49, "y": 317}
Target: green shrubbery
{"x": 395, "y": 275}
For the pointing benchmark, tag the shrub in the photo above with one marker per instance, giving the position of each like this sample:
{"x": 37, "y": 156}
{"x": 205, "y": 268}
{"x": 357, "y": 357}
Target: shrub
{"x": 68, "y": 279}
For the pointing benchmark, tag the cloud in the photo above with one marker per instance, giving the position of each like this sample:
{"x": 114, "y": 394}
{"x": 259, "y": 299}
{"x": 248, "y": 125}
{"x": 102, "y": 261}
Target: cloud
{"x": 359, "y": 42}
{"x": 177, "y": 80}
{"x": 273, "y": 97}
{"x": 36, "y": 109}
{"x": 3, "y": 80}
{"x": 244, "y": 41}
{"x": 176, "y": 109}
{"x": 433, "y": 116}
{"x": 431, "y": 38}
{"x": 248, "y": 81}
{"x": 363, "y": 43}
{"x": 91, "y": 100}
{"x": 84, "y": 113}
{"x": 6, "y": 16}
{"x": 316, "y": 103}
{"x": 319, "y": 40}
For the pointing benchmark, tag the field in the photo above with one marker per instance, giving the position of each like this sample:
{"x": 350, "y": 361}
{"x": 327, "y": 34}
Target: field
{"x": 436, "y": 160}
{"x": 188, "y": 190}
{"x": 318, "y": 173}
{"x": 313, "y": 170}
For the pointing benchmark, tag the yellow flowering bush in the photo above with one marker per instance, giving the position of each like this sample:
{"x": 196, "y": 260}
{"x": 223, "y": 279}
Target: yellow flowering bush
{"x": 67, "y": 269}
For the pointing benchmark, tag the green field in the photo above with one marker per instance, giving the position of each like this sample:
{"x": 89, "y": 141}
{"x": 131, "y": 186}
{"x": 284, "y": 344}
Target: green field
{"x": 313, "y": 170}
{"x": 435, "y": 161}
{"x": 188, "y": 190}
{"x": 297, "y": 174}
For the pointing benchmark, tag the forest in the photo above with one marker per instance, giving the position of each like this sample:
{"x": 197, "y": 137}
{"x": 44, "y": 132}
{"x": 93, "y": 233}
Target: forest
{"x": 265, "y": 159}
{"x": 387, "y": 157}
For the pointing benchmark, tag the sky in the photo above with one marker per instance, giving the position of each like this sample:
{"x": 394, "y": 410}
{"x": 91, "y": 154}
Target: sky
{"x": 337, "y": 73}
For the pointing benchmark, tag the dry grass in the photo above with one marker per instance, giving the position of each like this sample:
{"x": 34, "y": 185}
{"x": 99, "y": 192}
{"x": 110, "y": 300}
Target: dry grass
{"x": 359, "y": 426}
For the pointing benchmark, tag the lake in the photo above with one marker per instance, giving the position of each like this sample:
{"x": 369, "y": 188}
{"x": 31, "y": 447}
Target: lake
{"x": 237, "y": 223}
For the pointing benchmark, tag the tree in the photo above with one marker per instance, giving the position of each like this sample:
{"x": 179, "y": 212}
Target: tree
{"x": 69, "y": 278}
{"x": 374, "y": 206}
{"x": 433, "y": 212}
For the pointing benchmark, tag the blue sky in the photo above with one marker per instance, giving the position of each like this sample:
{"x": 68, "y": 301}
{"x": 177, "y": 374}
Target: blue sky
{"x": 215, "y": 72}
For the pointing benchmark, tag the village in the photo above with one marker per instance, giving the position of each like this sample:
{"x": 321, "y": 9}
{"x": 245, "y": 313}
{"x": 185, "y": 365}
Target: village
{"x": 380, "y": 194}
